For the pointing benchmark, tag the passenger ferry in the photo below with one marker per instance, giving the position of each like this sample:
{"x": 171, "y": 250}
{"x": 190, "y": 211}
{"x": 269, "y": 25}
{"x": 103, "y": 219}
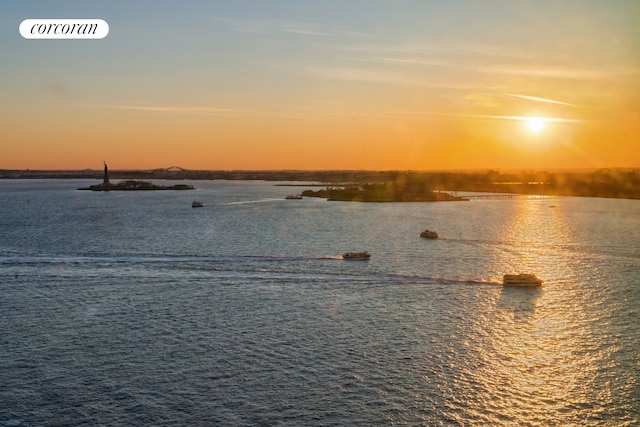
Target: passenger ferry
{"x": 522, "y": 280}
{"x": 429, "y": 234}
{"x": 357, "y": 255}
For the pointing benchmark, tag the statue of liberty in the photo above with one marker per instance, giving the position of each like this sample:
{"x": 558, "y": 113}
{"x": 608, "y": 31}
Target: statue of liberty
{"x": 105, "y": 182}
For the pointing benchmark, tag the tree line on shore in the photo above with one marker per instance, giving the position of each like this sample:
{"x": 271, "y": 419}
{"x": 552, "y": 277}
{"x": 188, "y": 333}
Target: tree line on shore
{"x": 383, "y": 192}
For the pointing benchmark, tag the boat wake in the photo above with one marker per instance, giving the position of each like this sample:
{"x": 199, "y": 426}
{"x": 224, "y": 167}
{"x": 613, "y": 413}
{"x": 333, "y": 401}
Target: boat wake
{"x": 134, "y": 259}
{"x": 244, "y": 202}
{"x": 279, "y": 268}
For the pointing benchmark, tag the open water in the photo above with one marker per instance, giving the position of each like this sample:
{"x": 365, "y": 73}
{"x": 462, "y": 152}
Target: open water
{"x": 132, "y": 308}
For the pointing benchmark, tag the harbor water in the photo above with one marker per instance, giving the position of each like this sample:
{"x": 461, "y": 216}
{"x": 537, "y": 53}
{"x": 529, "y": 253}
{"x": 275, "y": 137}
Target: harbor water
{"x": 133, "y": 308}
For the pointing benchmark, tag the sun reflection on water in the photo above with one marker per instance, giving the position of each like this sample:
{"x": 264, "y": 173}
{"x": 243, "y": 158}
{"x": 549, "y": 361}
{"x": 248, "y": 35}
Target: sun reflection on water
{"x": 537, "y": 237}
{"x": 538, "y": 352}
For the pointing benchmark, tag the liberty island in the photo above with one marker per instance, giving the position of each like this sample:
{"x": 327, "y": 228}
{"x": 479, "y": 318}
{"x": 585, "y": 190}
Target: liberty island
{"x": 131, "y": 185}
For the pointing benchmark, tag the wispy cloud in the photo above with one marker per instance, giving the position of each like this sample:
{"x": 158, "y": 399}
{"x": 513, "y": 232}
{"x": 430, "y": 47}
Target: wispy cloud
{"x": 390, "y": 77}
{"x": 454, "y": 116}
{"x": 357, "y": 74}
{"x": 538, "y": 99}
{"x": 275, "y": 26}
{"x": 486, "y": 50}
{"x": 302, "y": 28}
{"x": 277, "y": 113}
{"x": 209, "y": 111}
{"x": 263, "y": 26}
{"x": 401, "y": 61}
{"x": 326, "y": 113}
{"x": 550, "y": 72}
{"x": 445, "y": 49}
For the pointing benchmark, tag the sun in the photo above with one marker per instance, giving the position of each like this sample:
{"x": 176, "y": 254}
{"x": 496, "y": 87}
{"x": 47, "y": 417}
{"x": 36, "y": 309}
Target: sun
{"x": 535, "y": 124}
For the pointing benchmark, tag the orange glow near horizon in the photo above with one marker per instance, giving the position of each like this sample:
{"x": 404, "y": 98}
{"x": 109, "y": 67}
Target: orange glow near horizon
{"x": 333, "y": 143}
{"x": 147, "y": 140}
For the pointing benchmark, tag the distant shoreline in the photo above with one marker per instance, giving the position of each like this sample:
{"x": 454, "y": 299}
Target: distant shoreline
{"x": 622, "y": 183}
{"x": 382, "y": 193}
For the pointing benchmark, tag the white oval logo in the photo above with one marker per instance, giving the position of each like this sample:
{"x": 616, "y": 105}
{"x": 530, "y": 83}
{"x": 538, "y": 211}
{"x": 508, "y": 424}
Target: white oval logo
{"x": 64, "y": 28}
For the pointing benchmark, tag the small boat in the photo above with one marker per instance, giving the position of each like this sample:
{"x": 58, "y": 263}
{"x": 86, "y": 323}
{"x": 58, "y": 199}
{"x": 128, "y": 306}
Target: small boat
{"x": 197, "y": 204}
{"x": 522, "y": 280}
{"x": 294, "y": 197}
{"x": 429, "y": 234}
{"x": 357, "y": 255}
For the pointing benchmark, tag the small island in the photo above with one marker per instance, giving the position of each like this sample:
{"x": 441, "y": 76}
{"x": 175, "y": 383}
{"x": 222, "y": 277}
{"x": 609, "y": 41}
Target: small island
{"x": 382, "y": 192}
{"x": 131, "y": 185}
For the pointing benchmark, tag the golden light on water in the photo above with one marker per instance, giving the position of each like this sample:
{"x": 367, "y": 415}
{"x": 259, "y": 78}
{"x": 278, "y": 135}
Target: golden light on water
{"x": 535, "y": 346}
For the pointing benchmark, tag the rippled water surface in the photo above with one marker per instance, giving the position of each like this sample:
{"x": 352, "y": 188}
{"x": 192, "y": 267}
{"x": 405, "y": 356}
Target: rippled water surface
{"x": 132, "y": 308}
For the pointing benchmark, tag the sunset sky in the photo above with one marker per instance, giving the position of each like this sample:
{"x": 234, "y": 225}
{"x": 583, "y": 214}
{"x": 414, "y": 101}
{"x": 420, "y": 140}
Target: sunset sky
{"x": 326, "y": 84}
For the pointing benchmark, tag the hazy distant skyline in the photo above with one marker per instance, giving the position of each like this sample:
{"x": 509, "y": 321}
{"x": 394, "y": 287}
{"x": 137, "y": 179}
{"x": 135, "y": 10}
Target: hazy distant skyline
{"x": 324, "y": 85}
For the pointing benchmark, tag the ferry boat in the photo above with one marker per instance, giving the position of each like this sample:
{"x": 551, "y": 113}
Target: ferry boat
{"x": 522, "y": 280}
{"x": 357, "y": 255}
{"x": 429, "y": 234}
{"x": 197, "y": 204}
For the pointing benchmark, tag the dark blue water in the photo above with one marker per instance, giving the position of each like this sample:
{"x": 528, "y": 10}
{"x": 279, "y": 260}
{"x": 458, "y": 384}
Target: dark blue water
{"x": 126, "y": 308}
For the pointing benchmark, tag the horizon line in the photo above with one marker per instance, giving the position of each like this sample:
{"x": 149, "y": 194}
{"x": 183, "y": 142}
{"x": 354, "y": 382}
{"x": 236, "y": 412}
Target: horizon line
{"x": 475, "y": 169}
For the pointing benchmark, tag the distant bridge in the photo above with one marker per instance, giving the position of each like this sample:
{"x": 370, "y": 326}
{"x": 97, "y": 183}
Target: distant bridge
{"x": 171, "y": 169}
